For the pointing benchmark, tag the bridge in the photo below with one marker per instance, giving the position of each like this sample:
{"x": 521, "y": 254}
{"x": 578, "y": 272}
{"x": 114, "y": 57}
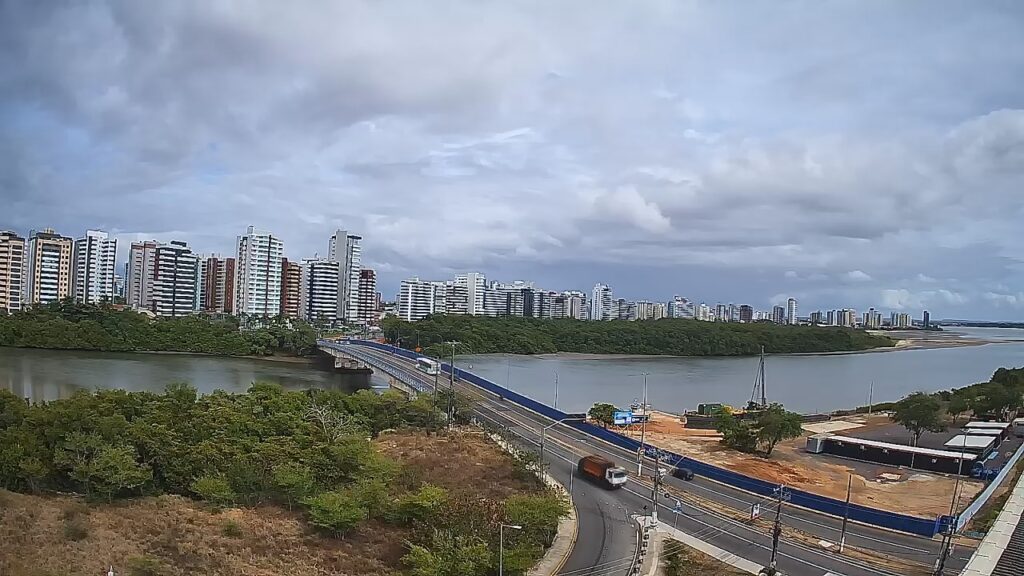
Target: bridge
{"x": 715, "y": 506}
{"x": 351, "y": 357}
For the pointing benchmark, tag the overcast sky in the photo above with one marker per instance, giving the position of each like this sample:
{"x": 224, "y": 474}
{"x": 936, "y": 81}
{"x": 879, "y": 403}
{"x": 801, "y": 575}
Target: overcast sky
{"x": 845, "y": 153}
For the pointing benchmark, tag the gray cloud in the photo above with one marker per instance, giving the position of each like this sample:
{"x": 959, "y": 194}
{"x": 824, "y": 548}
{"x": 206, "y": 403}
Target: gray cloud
{"x": 850, "y": 157}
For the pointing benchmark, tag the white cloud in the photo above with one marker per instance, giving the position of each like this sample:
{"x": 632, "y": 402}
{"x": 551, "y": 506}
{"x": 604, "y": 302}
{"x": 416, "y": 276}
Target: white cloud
{"x": 857, "y": 276}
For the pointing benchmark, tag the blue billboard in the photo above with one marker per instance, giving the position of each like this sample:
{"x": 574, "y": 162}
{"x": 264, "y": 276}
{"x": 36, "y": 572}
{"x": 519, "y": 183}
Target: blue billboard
{"x": 622, "y": 418}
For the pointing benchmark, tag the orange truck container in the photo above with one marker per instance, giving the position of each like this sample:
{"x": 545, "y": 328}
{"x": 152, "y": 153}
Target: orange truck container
{"x": 602, "y": 471}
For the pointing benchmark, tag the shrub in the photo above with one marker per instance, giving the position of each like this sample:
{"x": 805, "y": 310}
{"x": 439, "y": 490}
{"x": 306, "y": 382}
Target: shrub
{"x": 231, "y": 529}
{"x": 335, "y": 512}
{"x": 76, "y": 528}
{"x": 215, "y": 490}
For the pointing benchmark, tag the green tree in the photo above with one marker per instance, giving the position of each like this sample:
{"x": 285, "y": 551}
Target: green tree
{"x": 775, "y": 424}
{"x": 959, "y": 403}
{"x": 215, "y": 490}
{"x": 736, "y": 434}
{"x": 115, "y": 469}
{"x": 295, "y": 481}
{"x": 996, "y": 398}
{"x": 603, "y": 412}
{"x": 918, "y": 413}
{"x": 335, "y": 512}
{"x": 538, "y": 514}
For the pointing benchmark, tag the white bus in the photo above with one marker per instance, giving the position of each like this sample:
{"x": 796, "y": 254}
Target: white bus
{"x": 427, "y": 365}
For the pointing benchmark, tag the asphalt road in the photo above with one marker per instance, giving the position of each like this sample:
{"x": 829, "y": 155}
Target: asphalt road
{"x": 607, "y": 536}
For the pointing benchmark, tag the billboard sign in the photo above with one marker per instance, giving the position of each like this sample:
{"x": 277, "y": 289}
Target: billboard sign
{"x": 622, "y": 418}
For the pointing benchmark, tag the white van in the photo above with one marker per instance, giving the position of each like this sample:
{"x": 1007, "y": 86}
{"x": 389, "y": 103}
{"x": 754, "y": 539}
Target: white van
{"x": 1018, "y": 427}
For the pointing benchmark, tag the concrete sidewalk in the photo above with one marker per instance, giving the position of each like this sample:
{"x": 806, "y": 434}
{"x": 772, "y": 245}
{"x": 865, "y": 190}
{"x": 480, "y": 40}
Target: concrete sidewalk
{"x": 666, "y": 531}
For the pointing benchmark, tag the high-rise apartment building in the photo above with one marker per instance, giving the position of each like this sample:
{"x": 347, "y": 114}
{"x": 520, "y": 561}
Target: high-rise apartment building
{"x": 93, "y": 269}
{"x": 722, "y": 313}
{"x": 218, "y": 292}
{"x": 926, "y": 319}
{"x": 140, "y": 269}
{"x": 12, "y": 268}
{"x": 346, "y": 249}
{"x": 575, "y": 304}
{"x": 174, "y": 280}
{"x": 899, "y": 320}
{"x": 601, "y": 303}
{"x": 258, "y": 274}
{"x": 367, "y": 296}
{"x": 791, "y": 311}
{"x": 291, "y": 282}
{"x": 872, "y": 319}
{"x": 680, "y": 307}
{"x": 779, "y": 315}
{"x": 472, "y": 285}
{"x": 746, "y": 313}
{"x": 817, "y": 318}
{"x": 705, "y": 313}
{"x": 49, "y": 264}
{"x": 318, "y": 293}
{"x": 415, "y": 299}
{"x": 163, "y": 278}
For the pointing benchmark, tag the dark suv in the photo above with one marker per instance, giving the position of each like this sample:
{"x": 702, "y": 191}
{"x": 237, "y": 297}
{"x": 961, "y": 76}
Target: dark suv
{"x": 683, "y": 473}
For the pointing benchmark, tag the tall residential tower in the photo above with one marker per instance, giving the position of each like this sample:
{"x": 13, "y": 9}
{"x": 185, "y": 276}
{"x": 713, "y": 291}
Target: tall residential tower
{"x": 94, "y": 263}
{"x": 48, "y": 277}
{"x": 12, "y": 266}
{"x": 258, "y": 274}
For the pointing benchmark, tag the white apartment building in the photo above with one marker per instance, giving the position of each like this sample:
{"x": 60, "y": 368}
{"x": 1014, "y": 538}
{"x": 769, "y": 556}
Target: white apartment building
{"x": 95, "y": 258}
{"x": 791, "y": 311}
{"x": 12, "y": 265}
{"x": 576, "y": 304}
{"x": 48, "y": 277}
{"x": 473, "y": 285}
{"x": 318, "y": 291}
{"x": 258, "y": 274}
{"x": 415, "y": 299}
{"x": 346, "y": 249}
{"x": 601, "y": 303}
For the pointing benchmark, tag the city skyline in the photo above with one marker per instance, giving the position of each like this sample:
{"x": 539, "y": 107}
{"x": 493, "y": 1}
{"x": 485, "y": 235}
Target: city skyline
{"x": 863, "y": 157}
{"x": 351, "y": 302}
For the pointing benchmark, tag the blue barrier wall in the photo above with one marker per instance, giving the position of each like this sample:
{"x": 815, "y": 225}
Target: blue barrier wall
{"x": 859, "y": 513}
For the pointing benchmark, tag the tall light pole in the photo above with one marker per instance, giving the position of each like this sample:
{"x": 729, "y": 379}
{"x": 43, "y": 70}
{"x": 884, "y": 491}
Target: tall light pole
{"x": 556, "y": 391}
{"x": 643, "y": 430}
{"x": 543, "y": 432}
{"x": 501, "y": 545}
{"x": 947, "y": 539}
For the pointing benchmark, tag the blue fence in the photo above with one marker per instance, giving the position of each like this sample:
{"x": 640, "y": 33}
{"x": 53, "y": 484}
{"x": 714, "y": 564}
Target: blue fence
{"x": 865, "y": 514}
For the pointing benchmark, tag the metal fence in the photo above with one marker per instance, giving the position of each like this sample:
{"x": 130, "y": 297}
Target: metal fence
{"x": 927, "y": 527}
{"x": 986, "y": 494}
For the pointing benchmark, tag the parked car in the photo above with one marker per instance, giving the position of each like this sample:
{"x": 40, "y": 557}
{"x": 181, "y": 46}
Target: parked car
{"x": 683, "y": 473}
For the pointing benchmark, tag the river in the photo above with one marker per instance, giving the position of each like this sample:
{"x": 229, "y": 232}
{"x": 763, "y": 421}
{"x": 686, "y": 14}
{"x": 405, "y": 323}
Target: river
{"x": 49, "y": 374}
{"x": 806, "y": 383}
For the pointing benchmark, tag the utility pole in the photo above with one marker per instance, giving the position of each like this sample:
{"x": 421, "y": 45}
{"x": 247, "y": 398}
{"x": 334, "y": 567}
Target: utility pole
{"x": 954, "y": 516}
{"x": 846, "y": 515}
{"x": 451, "y": 385}
{"x": 871, "y": 396}
{"x": 643, "y": 431}
{"x": 654, "y": 490}
{"x": 777, "y": 530}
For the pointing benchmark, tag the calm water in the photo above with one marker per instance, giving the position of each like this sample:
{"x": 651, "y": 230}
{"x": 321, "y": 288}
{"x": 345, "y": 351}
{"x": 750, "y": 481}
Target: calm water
{"x": 50, "y": 374}
{"x": 804, "y": 383}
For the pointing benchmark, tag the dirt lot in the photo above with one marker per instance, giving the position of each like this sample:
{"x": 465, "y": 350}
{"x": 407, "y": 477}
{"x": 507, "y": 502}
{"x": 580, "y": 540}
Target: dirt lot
{"x": 907, "y": 491}
{"x": 178, "y": 536}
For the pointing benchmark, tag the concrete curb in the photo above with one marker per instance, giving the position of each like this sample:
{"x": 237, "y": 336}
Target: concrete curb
{"x": 708, "y": 548}
{"x": 568, "y": 527}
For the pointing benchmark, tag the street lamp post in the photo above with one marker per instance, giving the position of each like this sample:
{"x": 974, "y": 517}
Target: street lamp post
{"x": 544, "y": 430}
{"x": 501, "y": 545}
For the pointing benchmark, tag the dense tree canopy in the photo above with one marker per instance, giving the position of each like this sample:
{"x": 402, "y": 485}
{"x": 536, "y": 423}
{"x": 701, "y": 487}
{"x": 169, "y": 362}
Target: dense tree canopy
{"x": 918, "y": 413}
{"x": 482, "y": 335}
{"x": 68, "y": 325}
{"x": 309, "y": 449}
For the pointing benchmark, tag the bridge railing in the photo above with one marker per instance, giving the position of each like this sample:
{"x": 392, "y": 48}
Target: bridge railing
{"x": 927, "y": 527}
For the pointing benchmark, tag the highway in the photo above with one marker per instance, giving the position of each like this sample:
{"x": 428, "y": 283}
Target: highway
{"x": 714, "y": 512}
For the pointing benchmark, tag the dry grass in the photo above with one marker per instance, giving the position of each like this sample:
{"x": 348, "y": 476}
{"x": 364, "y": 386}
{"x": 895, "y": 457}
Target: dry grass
{"x": 696, "y": 563}
{"x": 171, "y": 535}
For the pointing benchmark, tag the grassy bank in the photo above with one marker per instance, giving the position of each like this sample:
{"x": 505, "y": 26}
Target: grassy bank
{"x": 676, "y": 337}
